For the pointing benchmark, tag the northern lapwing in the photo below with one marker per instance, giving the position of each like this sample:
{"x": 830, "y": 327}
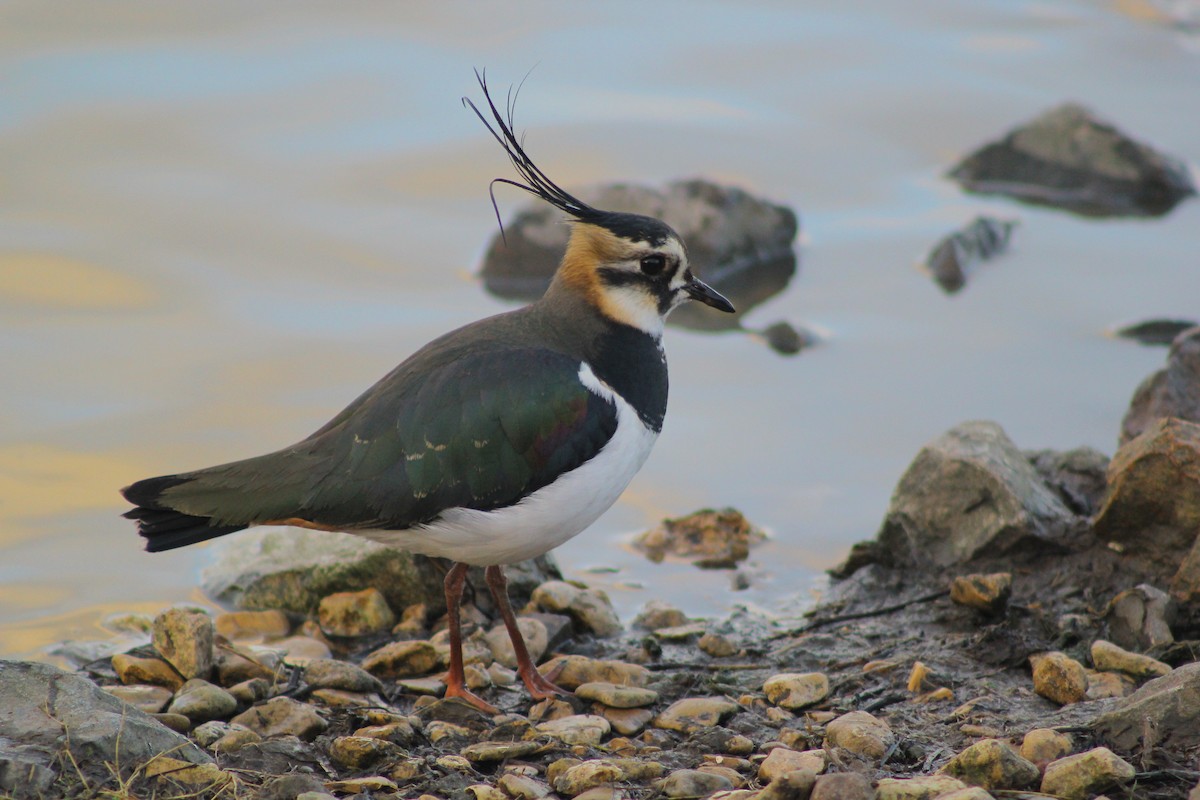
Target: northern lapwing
{"x": 492, "y": 444}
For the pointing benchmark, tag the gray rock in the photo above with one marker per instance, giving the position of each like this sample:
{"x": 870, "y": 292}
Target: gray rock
{"x": 293, "y": 568}
{"x": 1069, "y": 159}
{"x": 44, "y": 711}
{"x": 185, "y": 639}
{"x": 1140, "y": 618}
{"x": 842, "y": 786}
{"x": 970, "y": 493}
{"x": 1078, "y": 476}
{"x": 200, "y": 701}
{"x": 952, "y": 259}
{"x": 330, "y": 673}
{"x": 693, "y": 783}
{"x": 1173, "y": 391}
{"x": 282, "y": 716}
{"x": 1160, "y": 713}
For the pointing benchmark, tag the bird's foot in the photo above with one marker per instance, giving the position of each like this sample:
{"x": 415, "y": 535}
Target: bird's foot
{"x": 542, "y": 687}
{"x": 463, "y": 693}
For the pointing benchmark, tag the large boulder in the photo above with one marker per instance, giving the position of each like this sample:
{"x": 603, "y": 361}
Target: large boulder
{"x": 1165, "y": 712}
{"x": 1069, "y": 159}
{"x": 970, "y": 493}
{"x": 1173, "y": 391}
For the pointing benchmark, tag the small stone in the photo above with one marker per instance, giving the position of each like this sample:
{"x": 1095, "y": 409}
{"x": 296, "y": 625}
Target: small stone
{"x": 501, "y": 675}
{"x": 355, "y": 613}
{"x": 370, "y": 785}
{"x": 254, "y": 626}
{"x": 299, "y": 650}
{"x": 709, "y": 539}
{"x": 1059, "y": 678}
{"x": 250, "y": 692}
{"x": 617, "y": 696}
{"x": 988, "y": 593}
{"x": 176, "y": 722}
{"x": 842, "y": 786}
{"x": 361, "y": 752}
{"x": 590, "y": 608}
{"x": 281, "y": 716}
{"x": 658, "y": 614}
{"x": 1162, "y": 713}
{"x": 440, "y": 731}
{"x": 1086, "y": 774}
{"x": 921, "y": 787}
{"x": 154, "y": 671}
{"x": 481, "y": 791}
{"x": 693, "y": 783}
{"x": 783, "y": 760}
{"x": 716, "y": 645}
{"x": 408, "y": 770}
{"x": 233, "y": 667}
{"x": 1110, "y": 657}
{"x": 993, "y": 764}
{"x": 792, "y": 786}
{"x": 499, "y": 751}
{"x": 796, "y": 690}
{"x": 150, "y": 699}
{"x": 401, "y": 660}
{"x": 682, "y": 633}
{"x": 185, "y": 639}
{"x": 340, "y": 698}
{"x": 209, "y": 732}
{"x": 501, "y": 646}
{"x": 578, "y": 778}
{"x": 200, "y": 701}
{"x": 728, "y": 772}
{"x": 585, "y": 729}
{"x": 235, "y": 740}
{"x": 860, "y": 733}
{"x": 1108, "y": 684}
{"x": 967, "y": 793}
{"x": 454, "y": 762}
{"x": 1139, "y": 618}
{"x": 178, "y": 771}
{"x": 522, "y": 787}
{"x": 330, "y": 673}
{"x": 571, "y": 672}
{"x": 399, "y": 732}
{"x": 626, "y": 721}
{"x": 475, "y": 649}
{"x": 695, "y": 713}
{"x": 1043, "y": 745}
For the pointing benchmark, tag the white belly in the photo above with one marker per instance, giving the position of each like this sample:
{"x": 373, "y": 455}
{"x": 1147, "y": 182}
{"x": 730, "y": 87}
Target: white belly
{"x": 546, "y": 518}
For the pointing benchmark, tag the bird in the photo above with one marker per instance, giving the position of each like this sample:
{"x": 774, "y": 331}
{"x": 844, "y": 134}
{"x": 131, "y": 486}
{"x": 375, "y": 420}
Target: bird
{"x": 493, "y": 443}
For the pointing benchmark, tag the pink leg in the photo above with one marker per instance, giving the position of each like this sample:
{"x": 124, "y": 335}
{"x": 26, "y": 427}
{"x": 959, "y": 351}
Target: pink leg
{"x": 456, "y": 683}
{"x": 539, "y": 687}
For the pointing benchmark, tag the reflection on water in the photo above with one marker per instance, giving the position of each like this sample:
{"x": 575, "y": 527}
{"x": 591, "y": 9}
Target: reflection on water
{"x": 220, "y": 222}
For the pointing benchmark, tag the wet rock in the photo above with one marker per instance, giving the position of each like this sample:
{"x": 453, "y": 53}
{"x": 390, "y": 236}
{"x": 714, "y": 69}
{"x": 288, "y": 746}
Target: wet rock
{"x": 522, "y": 787}
{"x": 694, "y": 713}
{"x": 993, "y": 764}
{"x": 953, "y": 259}
{"x": 499, "y": 751}
{"x": 693, "y": 783}
{"x": 716, "y": 645}
{"x": 184, "y": 639}
{"x": 585, "y": 729}
{"x": 401, "y": 660}
{"x": 1070, "y": 159}
{"x": 330, "y": 673}
{"x": 252, "y": 625}
{"x": 200, "y": 701}
{"x": 1084, "y": 775}
{"x": 842, "y": 786}
{"x": 369, "y": 786}
{"x": 536, "y": 641}
{"x": 707, "y": 538}
{"x": 783, "y": 761}
{"x": 793, "y": 691}
{"x": 589, "y": 608}
{"x": 1153, "y": 500}
{"x": 921, "y": 787}
{"x": 361, "y": 752}
{"x": 616, "y": 696}
{"x": 970, "y": 493}
{"x": 1078, "y": 476}
{"x": 796, "y": 785}
{"x": 1139, "y": 618}
{"x": 292, "y": 569}
{"x": 987, "y": 593}
{"x": 1155, "y": 331}
{"x": 626, "y": 721}
{"x": 573, "y": 671}
{"x": 1108, "y": 656}
{"x": 1173, "y": 391}
{"x": 1059, "y": 678}
{"x": 578, "y": 778}
{"x": 658, "y": 614}
{"x": 355, "y": 613}
{"x": 282, "y": 716}
{"x": 150, "y": 699}
{"x": 1160, "y": 713}
{"x": 860, "y": 733}
{"x": 1043, "y": 745}
{"x": 154, "y": 671}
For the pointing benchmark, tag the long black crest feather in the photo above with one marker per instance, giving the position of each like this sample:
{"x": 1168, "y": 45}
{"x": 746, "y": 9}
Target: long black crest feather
{"x": 536, "y": 182}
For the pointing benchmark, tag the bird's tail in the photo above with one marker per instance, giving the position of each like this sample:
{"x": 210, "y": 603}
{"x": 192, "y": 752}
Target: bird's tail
{"x": 163, "y": 527}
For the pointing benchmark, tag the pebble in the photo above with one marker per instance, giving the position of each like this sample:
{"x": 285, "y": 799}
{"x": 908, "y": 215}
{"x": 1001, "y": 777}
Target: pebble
{"x": 176, "y": 722}
{"x": 200, "y": 701}
{"x": 399, "y": 731}
{"x": 590, "y": 608}
{"x": 361, "y": 752}
{"x": 571, "y": 672}
{"x": 993, "y": 764}
{"x": 209, "y": 732}
{"x": 522, "y": 787}
{"x": 1107, "y": 656}
{"x": 499, "y": 751}
{"x": 150, "y": 699}
{"x": 281, "y": 716}
{"x": 796, "y": 690}
{"x": 1108, "y": 684}
{"x": 783, "y": 760}
{"x": 967, "y": 793}
{"x": 682, "y": 633}
{"x": 842, "y": 786}
{"x": 355, "y": 613}
{"x": 177, "y": 771}
{"x": 614, "y": 696}
{"x": 989, "y": 593}
{"x": 236, "y": 739}
{"x": 693, "y": 783}
{"x": 250, "y": 692}
{"x": 695, "y": 713}
{"x": 184, "y": 638}
{"x": 330, "y": 673}
{"x": 1059, "y": 678}
{"x": 370, "y": 785}
{"x": 716, "y": 645}
{"x": 578, "y": 778}
{"x": 922, "y": 787}
{"x": 1084, "y": 775}
{"x": 500, "y": 645}
{"x": 1043, "y": 745}
{"x": 439, "y": 731}
{"x": 658, "y": 614}
{"x": 401, "y": 660}
{"x": 585, "y": 729}
{"x": 154, "y": 671}
{"x": 299, "y": 650}
{"x": 729, "y": 772}
{"x": 792, "y": 786}
{"x": 340, "y": 698}
{"x": 408, "y": 769}
{"x": 501, "y": 675}
{"x": 482, "y": 791}
{"x": 252, "y": 625}
{"x": 234, "y": 667}
{"x": 860, "y": 733}
{"x": 625, "y": 721}
{"x": 475, "y": 648}
{"x": 1138, "y": 618}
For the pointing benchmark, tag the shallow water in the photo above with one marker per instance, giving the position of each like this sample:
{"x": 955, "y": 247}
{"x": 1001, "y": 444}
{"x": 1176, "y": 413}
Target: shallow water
{"x": 221, "y": 222}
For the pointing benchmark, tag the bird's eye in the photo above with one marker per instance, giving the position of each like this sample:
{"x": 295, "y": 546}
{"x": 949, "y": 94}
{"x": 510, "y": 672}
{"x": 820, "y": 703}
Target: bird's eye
{"x": 653, "y": 264}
